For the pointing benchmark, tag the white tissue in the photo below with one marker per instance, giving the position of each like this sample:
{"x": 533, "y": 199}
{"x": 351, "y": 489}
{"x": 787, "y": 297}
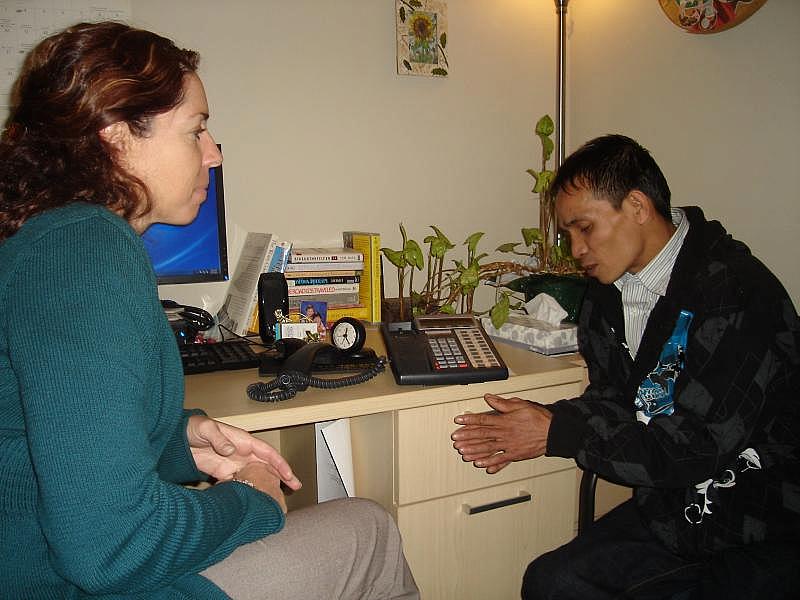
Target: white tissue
{"x": 545, "y": 308}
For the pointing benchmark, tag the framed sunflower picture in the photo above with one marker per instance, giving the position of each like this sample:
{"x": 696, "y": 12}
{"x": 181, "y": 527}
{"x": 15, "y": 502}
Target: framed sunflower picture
{"x": 422, "y": 37}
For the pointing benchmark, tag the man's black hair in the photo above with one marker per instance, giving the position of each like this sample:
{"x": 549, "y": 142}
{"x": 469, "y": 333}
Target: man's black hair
{"x": 610, "y": 167}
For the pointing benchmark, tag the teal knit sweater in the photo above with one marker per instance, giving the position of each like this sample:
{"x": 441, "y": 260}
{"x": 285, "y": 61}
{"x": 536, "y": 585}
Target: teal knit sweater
{"x": 92, "y": 427}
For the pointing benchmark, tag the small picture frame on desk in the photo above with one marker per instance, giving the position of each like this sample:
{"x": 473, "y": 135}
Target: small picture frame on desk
{"x": 317, "y": 312}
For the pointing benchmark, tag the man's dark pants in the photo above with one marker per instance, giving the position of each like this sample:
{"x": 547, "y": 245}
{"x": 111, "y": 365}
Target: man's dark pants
{"x": 618, "y": 557}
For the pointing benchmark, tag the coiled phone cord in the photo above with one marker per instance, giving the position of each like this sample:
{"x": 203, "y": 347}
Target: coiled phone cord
{"x": 287, "y": 384}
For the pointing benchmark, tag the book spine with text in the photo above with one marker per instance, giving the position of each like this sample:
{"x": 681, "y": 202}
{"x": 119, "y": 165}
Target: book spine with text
{"x": 280, "y": 257}
{"x": 326, "y": 280}
{"x": 317, "y": 274}
{"x": 333, "y": 266}
{"x": 324, "y": 255}
{"x": 369, "y": 244}
{"x": 321, "y": 290}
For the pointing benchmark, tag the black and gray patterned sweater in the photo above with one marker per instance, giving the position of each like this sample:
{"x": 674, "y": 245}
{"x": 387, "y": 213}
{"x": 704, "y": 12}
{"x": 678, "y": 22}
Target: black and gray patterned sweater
{"x": 739, "y": 390}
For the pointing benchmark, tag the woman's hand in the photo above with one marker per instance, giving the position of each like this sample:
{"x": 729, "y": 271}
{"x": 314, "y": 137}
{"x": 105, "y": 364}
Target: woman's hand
{"x": 221, "y": 450}
{"x": 265, "y": 479}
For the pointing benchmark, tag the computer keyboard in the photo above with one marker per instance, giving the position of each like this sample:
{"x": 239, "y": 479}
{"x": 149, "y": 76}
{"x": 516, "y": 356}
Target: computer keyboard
{"x": 219, "y": 356}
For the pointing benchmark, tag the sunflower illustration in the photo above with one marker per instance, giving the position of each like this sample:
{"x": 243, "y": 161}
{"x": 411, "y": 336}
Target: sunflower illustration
{"x": 423, "y": 26}
{"x": 422, "y": 42}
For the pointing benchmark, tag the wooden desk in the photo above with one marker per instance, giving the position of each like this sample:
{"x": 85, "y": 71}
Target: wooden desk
{"x": 403, "y": 459}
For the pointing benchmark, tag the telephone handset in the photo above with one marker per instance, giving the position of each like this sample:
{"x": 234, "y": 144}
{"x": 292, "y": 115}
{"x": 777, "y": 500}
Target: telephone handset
{"x": 442, "y": 349}
{"x": 293, "y": 361}
{"x": 186, "y": 321}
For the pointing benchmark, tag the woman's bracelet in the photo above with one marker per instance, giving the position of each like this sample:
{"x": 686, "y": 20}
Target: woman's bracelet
{"x": 244, "y": 481}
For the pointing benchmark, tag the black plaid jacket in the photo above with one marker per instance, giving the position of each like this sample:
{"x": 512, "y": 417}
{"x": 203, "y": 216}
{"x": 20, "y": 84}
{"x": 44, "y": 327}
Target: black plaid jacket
{"x": 740, "y": 388}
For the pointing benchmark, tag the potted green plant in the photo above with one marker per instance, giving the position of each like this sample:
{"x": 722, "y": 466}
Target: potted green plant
{"x": 447, "y": 288}
{"x": 558, "y": 274}
{"x": 541, "y": 262}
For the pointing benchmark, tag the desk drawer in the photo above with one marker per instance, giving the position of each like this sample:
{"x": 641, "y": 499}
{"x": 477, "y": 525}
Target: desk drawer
{"x": 457, "y": 555}
{"x": 428, "y": 466}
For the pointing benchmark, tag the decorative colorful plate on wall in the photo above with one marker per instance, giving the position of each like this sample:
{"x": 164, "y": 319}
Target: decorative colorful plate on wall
{"x": 709, "y": 16}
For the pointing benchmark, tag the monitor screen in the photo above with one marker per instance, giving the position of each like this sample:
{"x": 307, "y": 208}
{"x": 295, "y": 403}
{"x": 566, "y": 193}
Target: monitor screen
{"x": 197, "y": 252}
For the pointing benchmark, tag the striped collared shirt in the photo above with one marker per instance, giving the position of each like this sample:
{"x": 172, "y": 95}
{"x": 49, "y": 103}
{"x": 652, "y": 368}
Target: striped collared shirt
{"x": 641, "y": 291}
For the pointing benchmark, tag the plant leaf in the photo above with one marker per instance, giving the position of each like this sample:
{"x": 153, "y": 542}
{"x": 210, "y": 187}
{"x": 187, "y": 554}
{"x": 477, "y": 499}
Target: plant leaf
{"x": 443, "y": 39}
{"x": 472, "y": 241}
{"x": 441, "y": 235}
{"x": 395, "y": 257}
{"x": 402, "y": 14}
{"x": 499, "y": 312}
{"x": 413, "y": 254}
{"x": 469, "y": 278}
{"x": 439, "y": 71}
{"x": 439, "y": 247}
{"x": 531, "y": 235}
{"x": 545, "y": 127}
{"x": 407, "y": 64}
{"x": 547, "y": 148}
{"x": 439, "y": 244}
{"x": 507, "y": 247}
{"x": 543, "y": 181}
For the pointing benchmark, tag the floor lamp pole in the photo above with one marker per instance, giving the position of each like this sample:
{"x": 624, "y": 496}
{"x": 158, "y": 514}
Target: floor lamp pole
{"x": 561, "y": 10}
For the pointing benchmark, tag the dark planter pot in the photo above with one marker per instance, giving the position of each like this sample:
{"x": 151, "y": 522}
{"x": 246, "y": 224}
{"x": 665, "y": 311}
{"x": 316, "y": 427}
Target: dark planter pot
{"x": 568, "y": 290}
{"x": 390, "y": 310}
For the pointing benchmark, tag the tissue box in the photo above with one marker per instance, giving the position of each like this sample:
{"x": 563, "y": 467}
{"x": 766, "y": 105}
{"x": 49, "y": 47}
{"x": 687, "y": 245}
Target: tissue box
{"x": 527, "y": 332}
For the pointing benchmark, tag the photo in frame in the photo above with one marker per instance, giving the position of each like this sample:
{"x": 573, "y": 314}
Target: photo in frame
{"x": 422, "y": 37}
{"x": 316, "y": 312}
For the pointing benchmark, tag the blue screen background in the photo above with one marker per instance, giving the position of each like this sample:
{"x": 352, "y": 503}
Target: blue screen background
{"x": 190, "y": 253}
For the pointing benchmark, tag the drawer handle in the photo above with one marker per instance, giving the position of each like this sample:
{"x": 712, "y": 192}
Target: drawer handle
{"x": 474, "y": 510}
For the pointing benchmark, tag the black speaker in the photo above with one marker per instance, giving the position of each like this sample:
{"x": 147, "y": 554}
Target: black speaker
{"x": 273, "y": 294}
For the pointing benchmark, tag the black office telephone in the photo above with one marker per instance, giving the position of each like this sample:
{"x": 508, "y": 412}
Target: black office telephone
{"x": 293, "y": 363}
{"x": 442, "y": 349}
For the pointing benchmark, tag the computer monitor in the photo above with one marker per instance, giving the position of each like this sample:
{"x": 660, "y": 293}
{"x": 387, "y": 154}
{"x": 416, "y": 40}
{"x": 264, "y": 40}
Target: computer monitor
{"x": 197, "y": 252}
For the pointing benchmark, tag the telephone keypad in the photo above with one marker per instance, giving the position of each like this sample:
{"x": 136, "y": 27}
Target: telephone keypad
{"x": 478, "y": 349}
{"x": 446, "y": 352}
{"x": 460, "y": 349}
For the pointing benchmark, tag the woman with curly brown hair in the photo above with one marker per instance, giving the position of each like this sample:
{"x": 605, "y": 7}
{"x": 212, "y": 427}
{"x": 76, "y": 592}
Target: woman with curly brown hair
{"x": 107, "y": 135}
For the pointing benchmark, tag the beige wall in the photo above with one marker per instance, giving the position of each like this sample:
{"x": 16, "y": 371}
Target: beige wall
{"x": 320, "y": 134}
{"x": 720, "y": 112}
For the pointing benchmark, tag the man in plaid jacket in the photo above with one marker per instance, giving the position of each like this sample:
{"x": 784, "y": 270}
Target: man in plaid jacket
{"x": 693, "y": 351}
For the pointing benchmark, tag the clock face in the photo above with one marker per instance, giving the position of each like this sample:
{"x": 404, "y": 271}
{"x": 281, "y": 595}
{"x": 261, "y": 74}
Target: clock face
{"x": 348, "y": 334}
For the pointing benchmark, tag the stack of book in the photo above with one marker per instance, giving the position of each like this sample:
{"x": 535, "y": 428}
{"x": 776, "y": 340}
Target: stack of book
{"x": 330, "y": 275}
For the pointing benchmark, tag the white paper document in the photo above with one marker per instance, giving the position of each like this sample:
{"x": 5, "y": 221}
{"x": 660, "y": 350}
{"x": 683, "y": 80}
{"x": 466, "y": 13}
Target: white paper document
{"x": 334, "y": 460}
{"x": 237, "y": 312}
